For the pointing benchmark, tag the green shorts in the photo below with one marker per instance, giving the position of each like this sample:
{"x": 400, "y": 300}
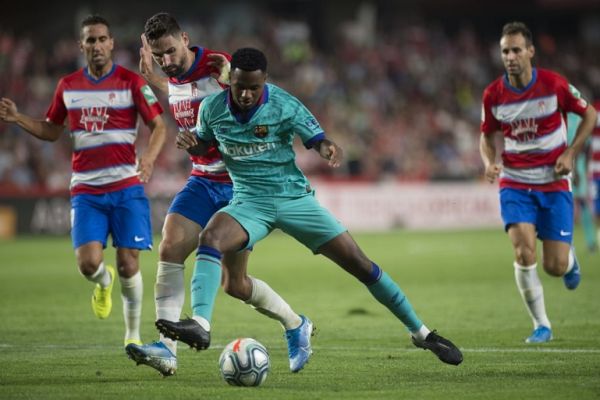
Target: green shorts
{"x": 300, "y": 217}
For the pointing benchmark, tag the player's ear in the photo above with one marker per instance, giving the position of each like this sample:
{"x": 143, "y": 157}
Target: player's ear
{"x": 185, "y": 38}
{"x": 532, "y": 50}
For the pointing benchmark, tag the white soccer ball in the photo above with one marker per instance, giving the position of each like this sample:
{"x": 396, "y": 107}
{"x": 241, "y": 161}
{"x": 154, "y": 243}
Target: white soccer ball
{"x": 244, "y": 362}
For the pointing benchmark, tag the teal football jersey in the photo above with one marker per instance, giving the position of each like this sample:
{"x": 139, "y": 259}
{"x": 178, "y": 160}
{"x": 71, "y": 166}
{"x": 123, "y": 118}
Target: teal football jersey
{"x": 258, "y": 151}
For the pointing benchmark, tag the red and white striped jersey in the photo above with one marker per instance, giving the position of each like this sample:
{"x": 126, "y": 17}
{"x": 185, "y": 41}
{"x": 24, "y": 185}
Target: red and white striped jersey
{"x": 595, "y": 157}
{"x": 186, "y": 92}
{"x": 102, "y": 119}
{"x": 533, "y": 121}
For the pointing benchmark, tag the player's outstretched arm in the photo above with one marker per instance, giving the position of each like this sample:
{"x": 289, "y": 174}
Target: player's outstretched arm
{"x": 487, "y": 149}
{"x": 329, "y": 150}
{"x": 41, "y": 129}
{"x": 157, "y": 140}
{"x": 147, "y": 68}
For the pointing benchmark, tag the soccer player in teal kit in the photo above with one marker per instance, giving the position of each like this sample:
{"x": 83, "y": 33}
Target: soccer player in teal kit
{"x": 254, "y": 124}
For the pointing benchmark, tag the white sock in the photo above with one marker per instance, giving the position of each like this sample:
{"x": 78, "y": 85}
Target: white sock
{"x": 203, "y": 322}
{"x": 571, "y": 260}
{"x": 101, "y": 276}
{"x": 266, "y": 301}
{"x": 532, "y": 293}
{"x": 131, "y": 293}
{"x": 421, "y": 334}
{"x": 169, "y": 296}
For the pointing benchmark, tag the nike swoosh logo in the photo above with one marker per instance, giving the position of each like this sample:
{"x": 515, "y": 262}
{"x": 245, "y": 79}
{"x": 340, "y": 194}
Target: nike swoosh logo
{"x": 76, "y": 100}
{"x": 138, "y": 239}
{"x": 563, "y": 233}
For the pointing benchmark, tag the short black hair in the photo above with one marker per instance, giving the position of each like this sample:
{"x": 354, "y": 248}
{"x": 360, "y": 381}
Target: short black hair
{"x": 95, "y": 20}
{"x": 161, "y": 24}
{"x": 516, "y": 27}
{"x": 249, "y": 59}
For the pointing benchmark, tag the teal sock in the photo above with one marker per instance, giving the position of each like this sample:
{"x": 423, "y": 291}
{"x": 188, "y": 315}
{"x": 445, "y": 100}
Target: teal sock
{"x": 205, "y": 282}
{"x": 589, "y": 227}
{"x": 387, "y": 292}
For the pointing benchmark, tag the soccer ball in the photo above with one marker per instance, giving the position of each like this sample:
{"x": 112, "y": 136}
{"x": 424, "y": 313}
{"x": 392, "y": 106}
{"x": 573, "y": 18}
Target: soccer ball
{"x": 244, "y": 362}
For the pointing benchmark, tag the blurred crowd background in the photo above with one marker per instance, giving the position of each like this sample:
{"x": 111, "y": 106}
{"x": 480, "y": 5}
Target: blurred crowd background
{"x": 397, "y": 84}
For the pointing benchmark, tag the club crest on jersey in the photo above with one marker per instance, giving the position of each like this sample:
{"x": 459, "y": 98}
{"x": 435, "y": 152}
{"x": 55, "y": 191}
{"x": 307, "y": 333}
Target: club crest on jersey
{"x": 111, "y": 98}
{"x": 542, "y": 107}
{"x": 261, "y": 131}
{"x": 94, "y": 118}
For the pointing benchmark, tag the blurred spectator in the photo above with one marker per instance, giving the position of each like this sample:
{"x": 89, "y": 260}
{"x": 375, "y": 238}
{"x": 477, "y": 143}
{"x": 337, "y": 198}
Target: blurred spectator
{"x": 403, "y": 101}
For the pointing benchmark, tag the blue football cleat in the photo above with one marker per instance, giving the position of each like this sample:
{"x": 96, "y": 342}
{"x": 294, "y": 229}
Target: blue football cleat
{"x": 298, "y": 341}
{"x": 155, "y": 355}
{"x": 573, "y": 277}
{"x": 541, "y": 334}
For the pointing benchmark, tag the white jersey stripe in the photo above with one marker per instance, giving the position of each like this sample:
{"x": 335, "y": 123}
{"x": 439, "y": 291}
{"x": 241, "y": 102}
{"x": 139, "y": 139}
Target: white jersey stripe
{"x": 76, "y": 99}
{"x": 103, "y": 176}
{"x": 530, "y": 109}
{"x": 215, "y": 168}
{"x": 596, "y": 144}
{"x": 196, "y": 90}
{"x": 535, "y": 176}
{"x": 595, "y": 166}
{"x": 541, "y": 144}
{"x": 83, "y": 139}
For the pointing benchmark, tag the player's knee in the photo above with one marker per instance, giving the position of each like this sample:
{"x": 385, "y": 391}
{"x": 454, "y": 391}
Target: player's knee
{"x": 524, "y": 255}
{"x": 555, "y": 266}
{"x": 209, "y": 237}
{"x": 127, "y": 264}
{"x": 88, "y": 267}
{"x": 168, "y": 251}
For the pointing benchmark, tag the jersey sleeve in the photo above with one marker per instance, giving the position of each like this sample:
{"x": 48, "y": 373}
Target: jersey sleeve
{"x": 305, "y": 125}
{"x": 57, "y": 112}
{"x": 569, "y": 98}
{"x": 489, "y": 123}
{"x": 145, "y": 100}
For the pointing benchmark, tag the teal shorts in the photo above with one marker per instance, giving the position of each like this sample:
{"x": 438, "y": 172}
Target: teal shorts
{"x": 303, "y": 218}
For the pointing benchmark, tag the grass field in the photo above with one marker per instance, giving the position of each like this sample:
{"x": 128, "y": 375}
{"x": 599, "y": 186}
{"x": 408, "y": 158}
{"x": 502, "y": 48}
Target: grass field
{"x": 461, "y": 283}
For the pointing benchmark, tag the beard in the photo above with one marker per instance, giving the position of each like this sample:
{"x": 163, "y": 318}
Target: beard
{"x": 173, "y": 70}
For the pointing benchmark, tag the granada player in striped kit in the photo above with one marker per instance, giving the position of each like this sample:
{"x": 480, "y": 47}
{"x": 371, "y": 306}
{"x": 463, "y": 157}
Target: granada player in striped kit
{"x": 528, "y": 106}
{"x": 101, "y": 103}
{"x": 595, "y": 167}
{"x": 193, "y": 74}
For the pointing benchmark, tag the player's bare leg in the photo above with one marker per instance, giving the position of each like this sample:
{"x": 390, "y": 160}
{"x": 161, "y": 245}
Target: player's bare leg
{"x": 91, "y": 266}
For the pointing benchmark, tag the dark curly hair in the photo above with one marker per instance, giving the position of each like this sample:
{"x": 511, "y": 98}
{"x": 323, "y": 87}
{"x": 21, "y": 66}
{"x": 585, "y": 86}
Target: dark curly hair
{"x": 249, "y": 59}
{"x": 161, "y": 24}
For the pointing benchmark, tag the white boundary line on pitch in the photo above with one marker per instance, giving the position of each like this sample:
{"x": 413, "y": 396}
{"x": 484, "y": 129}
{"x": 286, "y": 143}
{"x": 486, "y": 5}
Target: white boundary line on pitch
{"x": 332, "y": 348}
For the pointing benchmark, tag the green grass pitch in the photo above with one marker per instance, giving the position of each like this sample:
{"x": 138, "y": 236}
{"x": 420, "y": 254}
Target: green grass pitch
{"x": 460, "y": 282}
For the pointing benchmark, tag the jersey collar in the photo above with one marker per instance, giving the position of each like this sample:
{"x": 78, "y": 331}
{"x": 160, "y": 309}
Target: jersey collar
{"x": 244, "y": 117}
{"x": 526, "y": 88}
{"x": 103, "y": 77}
